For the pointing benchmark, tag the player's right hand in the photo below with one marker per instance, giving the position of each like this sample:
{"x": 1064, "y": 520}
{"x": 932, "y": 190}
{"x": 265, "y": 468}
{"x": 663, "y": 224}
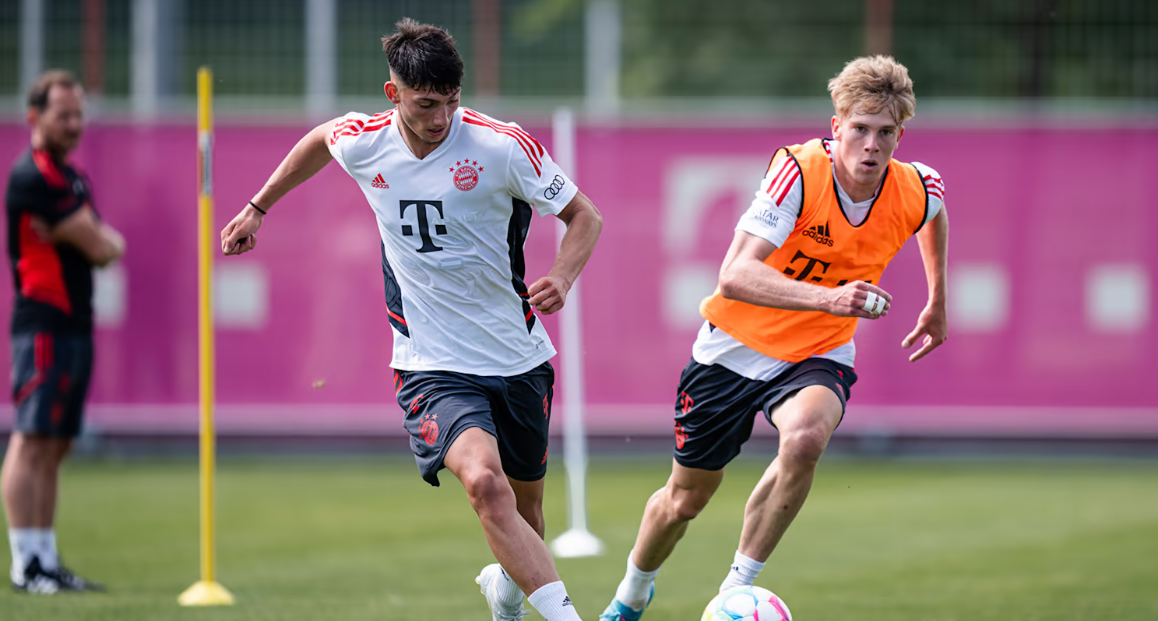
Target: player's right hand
{"x": 849, "y": 300}
{"x": 240, "y": 235}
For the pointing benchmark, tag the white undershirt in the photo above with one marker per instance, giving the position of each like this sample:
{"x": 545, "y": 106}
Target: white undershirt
{"x": 772, "y": 216}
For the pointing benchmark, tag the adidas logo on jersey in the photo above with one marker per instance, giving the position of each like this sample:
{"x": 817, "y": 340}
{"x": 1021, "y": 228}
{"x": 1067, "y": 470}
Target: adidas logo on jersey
{"x": 820, "y": 234}
{"x": 379, "y": 183}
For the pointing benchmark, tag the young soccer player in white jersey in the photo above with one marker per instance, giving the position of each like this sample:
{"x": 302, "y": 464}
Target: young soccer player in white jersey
{"x": 803, "y": 268}
{"x": 453, "y": 191}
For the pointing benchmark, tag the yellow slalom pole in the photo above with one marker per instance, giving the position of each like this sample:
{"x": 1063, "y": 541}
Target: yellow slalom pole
{"x": 206, "y": 592}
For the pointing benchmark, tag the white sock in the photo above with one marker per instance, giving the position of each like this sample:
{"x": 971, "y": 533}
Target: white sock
{"x": 743, "y": 572}
{"x": 507, "y": 592}
{"x": 49, "y": 557}
{"x": 636, "y": 585}
{"x": 552, "y": 602}
{"x": 25, "y": 544}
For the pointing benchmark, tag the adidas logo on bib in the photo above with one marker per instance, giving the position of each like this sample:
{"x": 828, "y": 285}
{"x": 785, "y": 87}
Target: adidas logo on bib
{"x": 820, "y": 234}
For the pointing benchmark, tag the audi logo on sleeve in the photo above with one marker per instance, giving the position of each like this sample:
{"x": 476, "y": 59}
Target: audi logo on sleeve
{"x": 556, "y": 186}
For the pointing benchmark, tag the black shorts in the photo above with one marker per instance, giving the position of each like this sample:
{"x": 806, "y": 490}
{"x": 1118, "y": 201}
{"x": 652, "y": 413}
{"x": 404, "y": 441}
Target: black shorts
{"x": 716, "y": 408}
{"x": 516, "y": 410}
{"x": 50, "y": 376}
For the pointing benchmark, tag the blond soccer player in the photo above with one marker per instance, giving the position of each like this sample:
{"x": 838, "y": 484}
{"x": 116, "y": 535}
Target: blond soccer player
{"x": 803, "y": 268}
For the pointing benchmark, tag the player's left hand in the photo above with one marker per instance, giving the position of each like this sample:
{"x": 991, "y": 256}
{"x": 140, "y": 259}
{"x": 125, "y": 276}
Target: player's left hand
{"x": 548, "y": 294}
{"x": 933, "y": 325}
{"x": 240, "y": 235}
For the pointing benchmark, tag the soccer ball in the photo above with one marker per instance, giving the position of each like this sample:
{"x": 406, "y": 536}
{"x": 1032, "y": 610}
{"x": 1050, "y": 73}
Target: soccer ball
{"x": 746, "y": 603}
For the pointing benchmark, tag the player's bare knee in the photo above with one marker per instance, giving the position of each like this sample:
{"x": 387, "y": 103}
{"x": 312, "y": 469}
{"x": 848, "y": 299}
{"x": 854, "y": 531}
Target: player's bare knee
{"x": 31, "y": 452}
{"x": 800, "y": 449}
{"x": 487, "y": 489}
{"x": 686, "y": 504}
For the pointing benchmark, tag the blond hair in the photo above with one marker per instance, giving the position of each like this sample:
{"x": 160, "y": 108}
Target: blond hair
{"x": 870, "y": 84}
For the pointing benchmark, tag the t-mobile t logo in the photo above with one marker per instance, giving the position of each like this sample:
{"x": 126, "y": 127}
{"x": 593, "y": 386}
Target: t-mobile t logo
{"x": 423, "y": 223}
{"x": 812, "y": 263}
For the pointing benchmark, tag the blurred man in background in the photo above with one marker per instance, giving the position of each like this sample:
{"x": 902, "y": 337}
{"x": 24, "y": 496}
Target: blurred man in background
{"x": 826, "y": 221}
{"x": 453, "y": 191}
{"x": 55, "y": 237}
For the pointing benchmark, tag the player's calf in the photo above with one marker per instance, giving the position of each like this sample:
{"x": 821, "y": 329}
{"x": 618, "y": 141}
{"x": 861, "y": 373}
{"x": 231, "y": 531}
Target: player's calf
{"x": 529, "y": 503}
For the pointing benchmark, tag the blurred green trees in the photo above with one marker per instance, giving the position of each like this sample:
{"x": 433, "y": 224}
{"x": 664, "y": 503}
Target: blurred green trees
{"x": 670, "y": 48}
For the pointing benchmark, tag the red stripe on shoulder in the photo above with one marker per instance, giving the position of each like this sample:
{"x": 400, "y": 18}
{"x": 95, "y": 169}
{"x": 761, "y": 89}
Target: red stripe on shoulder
{"x": 530, "y": 152}
{"x": 791, "y": 173}
{"x": 48, "y": 169}
{"x": 785, "y": 166}
{"x": 534, "y": 144}
{"x": 352, "y": 123}
{"x": 787, "y": 187}
{"x": 354, "y": 127}
{"x": 515, "y": 130}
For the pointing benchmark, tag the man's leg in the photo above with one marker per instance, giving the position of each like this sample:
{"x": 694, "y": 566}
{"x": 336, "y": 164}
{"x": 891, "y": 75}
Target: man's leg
{"x": 665, "y": 520}
{"x": 56, "y": 450}
{"x": 714, "y": 413}
{"x": 45, "y": 499}
{"x": 474, "y": 459}
{"x": 668, "y": 511}
{"x": 494, "y": 581}
{"x": 51, "y": 376}
{"x": 529, "y": 502}
{"x": 806, "y": 422}
{"x": 19, "y": 479}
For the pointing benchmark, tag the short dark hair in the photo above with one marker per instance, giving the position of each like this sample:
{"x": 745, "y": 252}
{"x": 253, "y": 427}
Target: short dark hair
{"x": 423, "y": 57}
{"x": 42, "y": 87}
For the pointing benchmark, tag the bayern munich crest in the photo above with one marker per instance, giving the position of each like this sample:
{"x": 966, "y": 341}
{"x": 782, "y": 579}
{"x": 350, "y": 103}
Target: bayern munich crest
{"x": 429, "y": 429}
{"x": 466, "y": 174}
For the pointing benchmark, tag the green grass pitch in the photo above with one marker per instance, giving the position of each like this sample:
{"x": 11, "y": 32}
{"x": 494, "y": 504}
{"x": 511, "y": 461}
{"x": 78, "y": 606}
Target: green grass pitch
{"x": 366, "y": 539}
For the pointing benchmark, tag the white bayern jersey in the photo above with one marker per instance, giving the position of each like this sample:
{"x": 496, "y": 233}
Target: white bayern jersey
{"x": 453, "y": 227}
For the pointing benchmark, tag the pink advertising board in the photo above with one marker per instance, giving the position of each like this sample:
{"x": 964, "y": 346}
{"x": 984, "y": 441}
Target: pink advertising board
{"x": 1052, "y": 274}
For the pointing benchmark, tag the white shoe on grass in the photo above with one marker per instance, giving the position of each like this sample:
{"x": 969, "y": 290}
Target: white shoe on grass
{"x": 487, "y": 581}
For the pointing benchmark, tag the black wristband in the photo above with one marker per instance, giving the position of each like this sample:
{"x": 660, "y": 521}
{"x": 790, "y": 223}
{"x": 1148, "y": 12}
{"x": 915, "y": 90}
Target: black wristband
{"x": 259, "y": 209}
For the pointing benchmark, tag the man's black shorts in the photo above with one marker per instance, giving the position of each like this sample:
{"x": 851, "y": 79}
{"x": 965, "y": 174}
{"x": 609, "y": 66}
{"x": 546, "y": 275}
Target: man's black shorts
{"x": 716, "y": 408}
{"x": 50, "y": 376}
{"x": 516, "y": 410}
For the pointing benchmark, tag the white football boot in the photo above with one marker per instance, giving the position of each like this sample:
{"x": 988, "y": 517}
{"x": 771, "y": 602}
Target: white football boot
{"x": 488, "y": 581}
